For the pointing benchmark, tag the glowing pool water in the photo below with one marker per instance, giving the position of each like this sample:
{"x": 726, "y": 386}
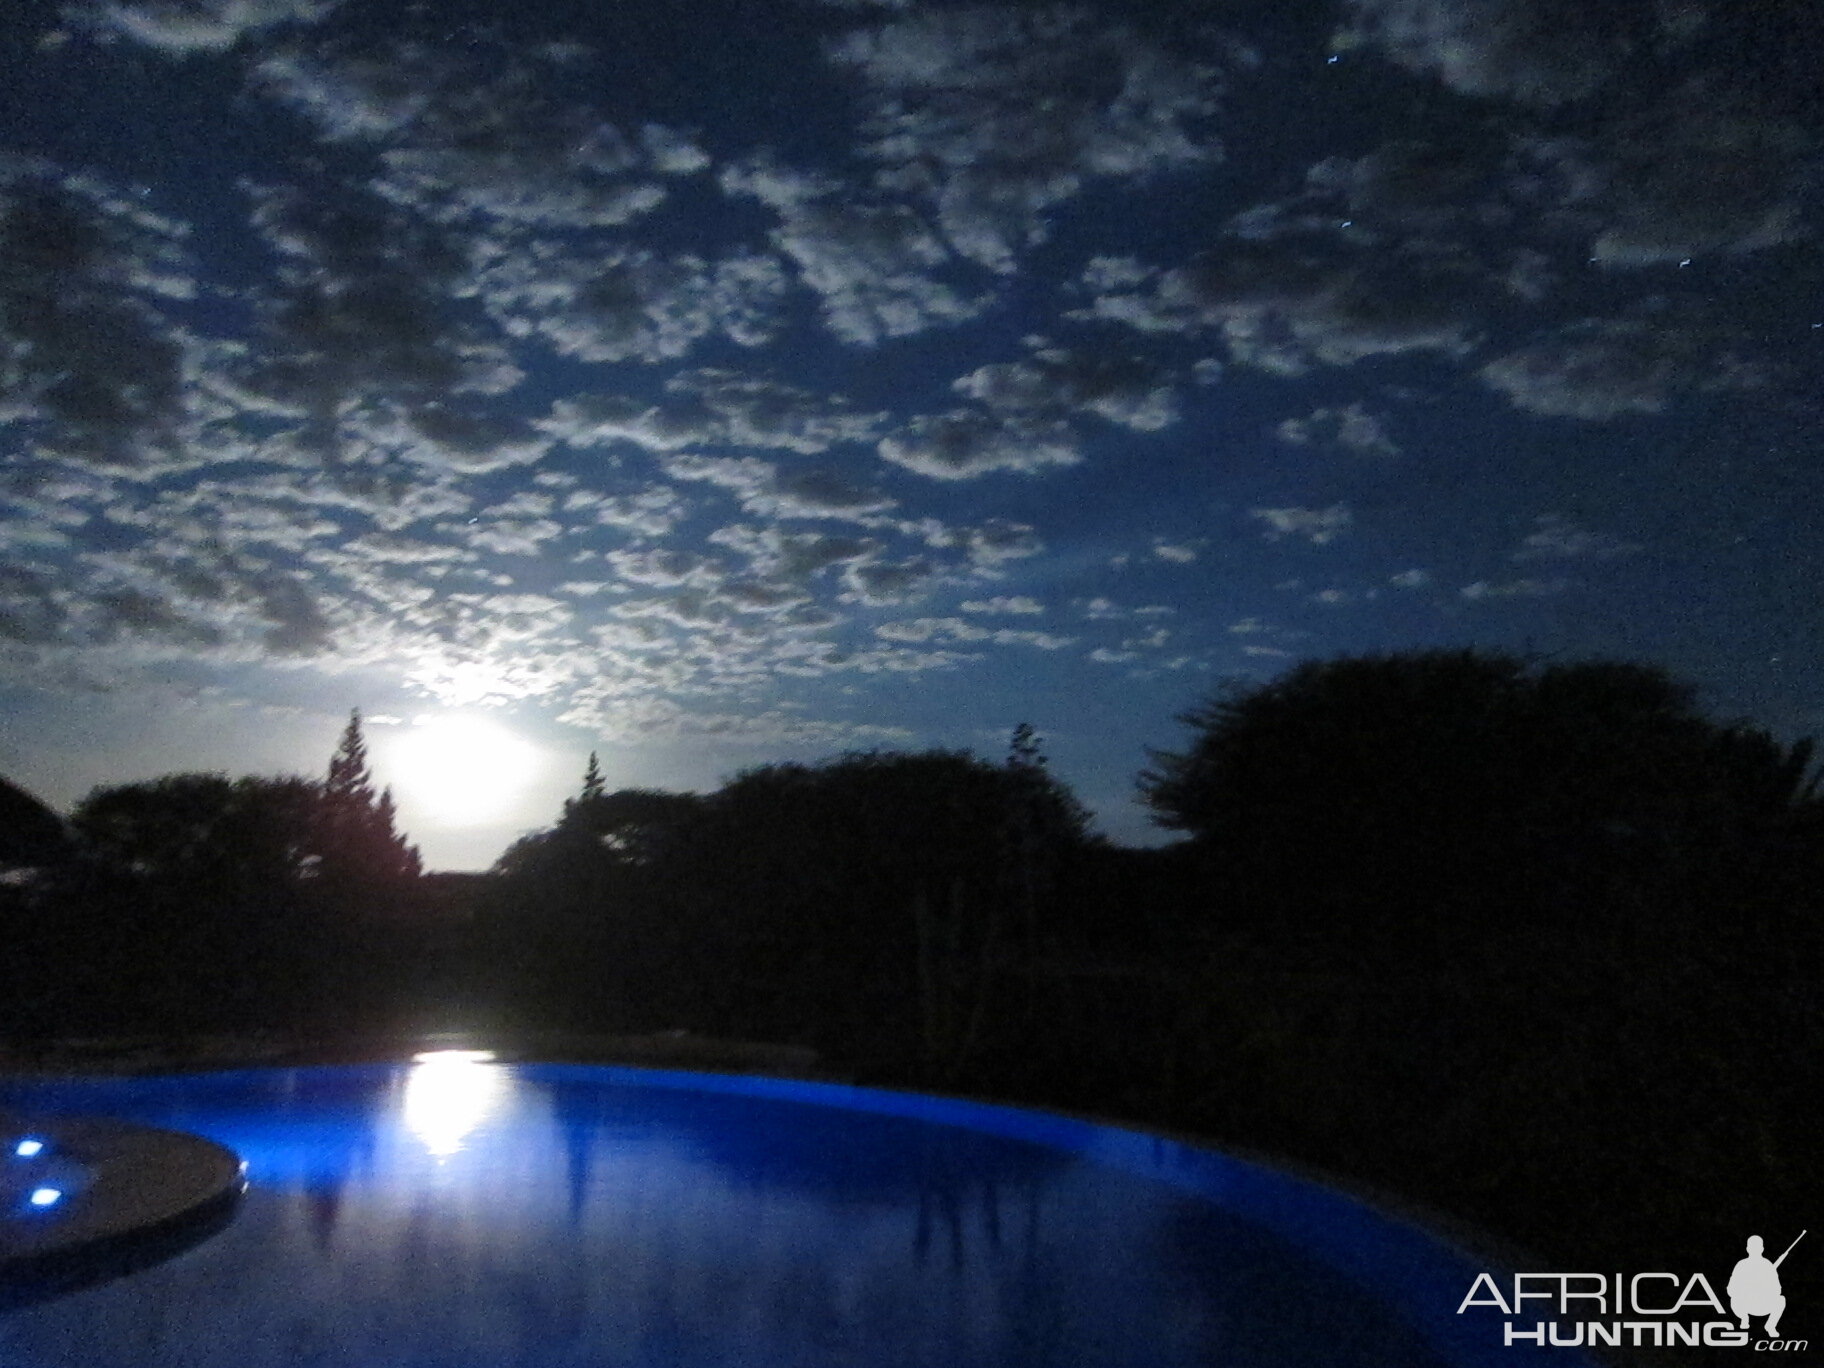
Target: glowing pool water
{"x": 467, "y": 1214}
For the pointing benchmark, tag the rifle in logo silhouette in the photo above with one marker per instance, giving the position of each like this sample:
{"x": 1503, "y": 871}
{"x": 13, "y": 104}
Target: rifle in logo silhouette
{"x": 1754, "y": 1286}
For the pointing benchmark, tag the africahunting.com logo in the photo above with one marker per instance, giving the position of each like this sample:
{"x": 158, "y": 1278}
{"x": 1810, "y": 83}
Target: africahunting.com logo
{"x": 1661, "y": 1310}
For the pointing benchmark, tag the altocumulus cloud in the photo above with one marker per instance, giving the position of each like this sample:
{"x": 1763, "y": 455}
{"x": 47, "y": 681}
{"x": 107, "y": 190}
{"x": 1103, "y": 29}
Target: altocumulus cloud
{"x": 491, "y": 358}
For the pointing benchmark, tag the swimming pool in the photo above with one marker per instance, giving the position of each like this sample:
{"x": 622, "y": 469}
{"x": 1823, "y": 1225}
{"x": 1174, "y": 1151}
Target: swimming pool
{"x": 464, "y": 1214}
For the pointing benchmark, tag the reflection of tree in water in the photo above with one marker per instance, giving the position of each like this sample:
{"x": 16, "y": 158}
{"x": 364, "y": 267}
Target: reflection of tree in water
{"x": 971, "y": 1205}
{"x": 621, "y": 1225}
{"x": 580, "y": 1139}
{"x": 966, "y": 1190}
{"x": 323, "y": 1204}
{"x": 953, "y": 1194}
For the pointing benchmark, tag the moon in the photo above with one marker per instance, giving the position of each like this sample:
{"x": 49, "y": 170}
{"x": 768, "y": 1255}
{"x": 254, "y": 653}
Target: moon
{"x": 461, "y": 770}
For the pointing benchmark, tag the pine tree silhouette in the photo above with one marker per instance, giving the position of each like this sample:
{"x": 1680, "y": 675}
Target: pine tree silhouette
{"x": 349, "y": 782}
{"x": 361, "y": 844}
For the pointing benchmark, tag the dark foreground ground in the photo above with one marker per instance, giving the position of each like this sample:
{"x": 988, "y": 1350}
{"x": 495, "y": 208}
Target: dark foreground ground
{"x": 1537, "y": 1101}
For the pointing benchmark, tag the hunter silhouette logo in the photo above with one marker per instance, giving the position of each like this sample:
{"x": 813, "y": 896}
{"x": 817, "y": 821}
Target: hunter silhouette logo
{"x": 1642, "y": 1310}
{"x": 1754, "y": 1286}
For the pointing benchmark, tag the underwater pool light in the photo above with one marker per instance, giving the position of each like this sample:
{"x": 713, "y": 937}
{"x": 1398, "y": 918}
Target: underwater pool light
{"x": 45, "y": 1196}
{"x": 28, "y": 1148}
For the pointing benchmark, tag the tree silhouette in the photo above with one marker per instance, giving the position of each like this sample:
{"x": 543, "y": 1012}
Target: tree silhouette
{"x": 876, "y": 897}
{"x": 598, "y": 832}
{"x": 187, "y": 906}
{"x": 1396, "y": 796}
{"x": 30, "y": 833}
{"x": 204, "y": 832}
{"x": 593, "y": 786}
{"x": 1549, "y": 908}
{"x": 360, "y": 843}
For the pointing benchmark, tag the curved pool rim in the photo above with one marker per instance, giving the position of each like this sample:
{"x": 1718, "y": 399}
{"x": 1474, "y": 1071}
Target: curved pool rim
{"x": 144, "y": 1194}
{"x": 1416, "y": 1272}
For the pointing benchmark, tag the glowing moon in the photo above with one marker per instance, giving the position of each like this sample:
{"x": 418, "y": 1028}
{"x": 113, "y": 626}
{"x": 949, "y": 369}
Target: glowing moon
{"x": 461, "y": 770}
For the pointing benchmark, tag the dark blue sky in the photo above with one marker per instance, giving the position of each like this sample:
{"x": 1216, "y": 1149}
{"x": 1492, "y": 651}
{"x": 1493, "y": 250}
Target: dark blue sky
{"x": 743, "y": 382}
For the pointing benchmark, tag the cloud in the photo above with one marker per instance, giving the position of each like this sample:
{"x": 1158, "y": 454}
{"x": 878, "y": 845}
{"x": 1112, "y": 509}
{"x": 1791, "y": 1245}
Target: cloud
{"x": 476, "y": 132}
{"x": 128, "y": 613}
{"x": 182, "y": 28}
{"x": 965, "y": 443}
{"x": 987, "y": 545}
{"x": 745, "y": 475}
{"x": 664, "y": 567}
{"x": 90, "y": 364}
{"x": 30, "y": 611}
{"x": 1406, "y": 186}
{"x": 928, "y": 629}
{"x": 1148, "y": 641}
{"x": 391, "y": 498}
{"x": 1018, "y": 604}
{"x": 876, "y": 582}
{"x": 364, "y": 314}
{"x": 629, "y": 304}
{"x": 1284, "y": 307}
{"x": 298, "y": 626}
{"x": 1351, "y": 426}
{"x": 1281, "y": 311}
{"x": 816, "y": 494}
{"x": 205, "y": 601}
{"x": 1520, "y": 588}
{"x": 1055, "y": 382}
{"x": 1039, "y": 641}
{"x": 959, "y": 630}
{"x": 996, "y": 115}
{"x": 872, "y": 265}
{"x": 442, "y": 436}
{"x": 210, "y": 513}
{"x": 739, "y": 410}
{"x": 791, "y": 556}
{"x": 390, "y": 548}
{"x": 650, "y": 512}
{"x": 1536, "y": 52}
{"x": 1101, "y": 609}
{"x": 1557, "y": 538}
{"x": 1696, "y": 174}
{"x": 715, "y": 407}
{"x": 1699, "y": 160}
{"x": 516, "y": 527}
{"x": 635, "y": 718}
{"x": 1339, "y": 598}
{"x": 763, "y": 489}
{"x": 1316, "y": 525}
{"x": 1603, "y": 369}
{"x": 475, "y": 142}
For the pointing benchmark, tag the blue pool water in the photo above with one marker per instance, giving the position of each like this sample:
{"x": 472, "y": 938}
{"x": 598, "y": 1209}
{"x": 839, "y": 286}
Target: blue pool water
{"x": 461, "y": 1214}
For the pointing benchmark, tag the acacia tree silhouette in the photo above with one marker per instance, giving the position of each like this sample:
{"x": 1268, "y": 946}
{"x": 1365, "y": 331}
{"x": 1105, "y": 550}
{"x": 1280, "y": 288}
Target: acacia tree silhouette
{"x": 1393, "y": 800}
{"x": 1551, "y": 909}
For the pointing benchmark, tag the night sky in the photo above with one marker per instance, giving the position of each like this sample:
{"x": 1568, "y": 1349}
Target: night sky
{"x": 714, "y": 384}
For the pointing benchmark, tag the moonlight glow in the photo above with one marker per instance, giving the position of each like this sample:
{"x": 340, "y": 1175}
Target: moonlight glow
{"x": 719, "y": 384}
{"x": 462, "y": 770}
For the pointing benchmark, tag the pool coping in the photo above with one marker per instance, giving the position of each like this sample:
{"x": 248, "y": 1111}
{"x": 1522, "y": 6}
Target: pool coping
{"x": 146, "y": 1192}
